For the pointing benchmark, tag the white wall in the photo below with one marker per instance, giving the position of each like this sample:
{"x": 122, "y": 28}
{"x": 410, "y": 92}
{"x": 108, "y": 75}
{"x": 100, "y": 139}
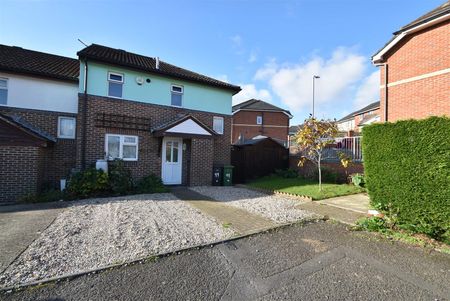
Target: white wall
{"x": 41, "y": 94}
{"x": 346, "y": 126}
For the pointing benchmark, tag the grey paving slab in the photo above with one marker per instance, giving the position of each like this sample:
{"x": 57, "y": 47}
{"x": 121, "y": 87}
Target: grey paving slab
{"x": 20, "y": 225}
{"x": 354, "y": 202}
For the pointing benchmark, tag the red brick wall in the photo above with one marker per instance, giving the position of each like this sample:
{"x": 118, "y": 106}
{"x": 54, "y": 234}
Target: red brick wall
{"x": 204, "y": 152}
{"x": 59, "y": 158}
{"x": 275, "y": 125}
{"x": 421, "y": 53}
{"x": 308, "y": 170}
{"x": 20, "y": 171}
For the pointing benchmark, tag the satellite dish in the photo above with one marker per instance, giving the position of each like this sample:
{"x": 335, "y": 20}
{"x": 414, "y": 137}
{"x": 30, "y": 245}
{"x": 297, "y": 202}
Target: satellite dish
{"x": 139, "y": 80}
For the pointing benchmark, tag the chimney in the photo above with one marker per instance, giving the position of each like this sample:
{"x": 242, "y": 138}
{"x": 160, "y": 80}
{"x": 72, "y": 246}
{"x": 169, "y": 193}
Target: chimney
{"x": 157, "y": 62}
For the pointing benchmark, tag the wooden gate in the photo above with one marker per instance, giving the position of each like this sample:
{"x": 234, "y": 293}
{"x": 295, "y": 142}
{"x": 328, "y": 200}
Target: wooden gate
{"x": 257, "y": 158}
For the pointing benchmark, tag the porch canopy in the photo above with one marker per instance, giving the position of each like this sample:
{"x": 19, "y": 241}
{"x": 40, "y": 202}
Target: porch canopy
{"x": 186, "y": 127}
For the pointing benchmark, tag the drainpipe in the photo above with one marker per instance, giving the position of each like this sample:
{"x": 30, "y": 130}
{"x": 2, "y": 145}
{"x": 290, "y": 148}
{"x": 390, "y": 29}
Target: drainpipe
{"x": 385, "y": 89}
{"x": 84, "y": 113}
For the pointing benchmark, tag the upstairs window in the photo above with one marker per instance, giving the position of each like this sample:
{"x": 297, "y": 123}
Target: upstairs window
{"x": 259, "y": 120}
{"x": 218, "y": 124}
{"x": 115, "y": 84}
{"x": 121, "y": 147}
{"x": 177, "y": 95}
{"x": 3, "y": 91}
{"x": 66, "y": 127}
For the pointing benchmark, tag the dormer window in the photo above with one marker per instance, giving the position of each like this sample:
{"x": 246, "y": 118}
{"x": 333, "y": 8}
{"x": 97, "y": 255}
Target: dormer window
{"x": 115, "y": 84}
{"x": 177, "y": 95}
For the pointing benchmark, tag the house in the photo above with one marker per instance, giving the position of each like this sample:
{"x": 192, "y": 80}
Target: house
{"x": 258, "y": 119}
{"x": 355, "y": 121}
{"x": 61, "y": 114}
{"x": 38, "y": 111}
{"x": 415, "y": 63}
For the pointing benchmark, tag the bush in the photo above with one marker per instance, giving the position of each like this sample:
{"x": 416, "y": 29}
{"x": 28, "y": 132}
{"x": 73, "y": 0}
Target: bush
{"x": 407, "y": 168}
{"x": 150, "y": 184}
{"x": 358, "y": 179}
{"x": 119, "y": 178}
{"x": 88, "y": 183}
{"x": 46, "y": 196}
{"x": 286, "y": 173}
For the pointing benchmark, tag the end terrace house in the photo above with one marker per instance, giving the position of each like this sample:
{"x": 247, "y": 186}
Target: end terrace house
{"x": 156, "y": 117}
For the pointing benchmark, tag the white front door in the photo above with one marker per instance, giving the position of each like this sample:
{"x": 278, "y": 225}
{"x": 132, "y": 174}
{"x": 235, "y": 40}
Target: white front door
{"x": 172, "y": 149}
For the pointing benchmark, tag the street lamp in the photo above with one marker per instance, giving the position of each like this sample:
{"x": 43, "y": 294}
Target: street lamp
{"x": 314, "y": 77}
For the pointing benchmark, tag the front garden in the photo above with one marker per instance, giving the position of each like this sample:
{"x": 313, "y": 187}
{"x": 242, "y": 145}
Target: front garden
{"x": 305, "y": 187}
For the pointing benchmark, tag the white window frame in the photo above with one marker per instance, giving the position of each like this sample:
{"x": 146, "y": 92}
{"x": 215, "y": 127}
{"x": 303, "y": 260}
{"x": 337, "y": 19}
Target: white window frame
{"x": 218, "y": 118}
{"x": 259, "y": 119}
{"x": 176, "y": 92}
{"x": 74, "y": 128}
{"x": 5, "y": 88}
{"x": 116, "y": 81}
{"x": 121, "y": 145}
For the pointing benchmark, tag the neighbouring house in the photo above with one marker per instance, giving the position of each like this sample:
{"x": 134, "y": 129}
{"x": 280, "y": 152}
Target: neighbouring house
{"x": 60, "y": 114}
{"x": 38, "y": 110}
{"x": 355, "y": 121}
{"x": 415, "y": 75}
{"x": 258, "y": 119}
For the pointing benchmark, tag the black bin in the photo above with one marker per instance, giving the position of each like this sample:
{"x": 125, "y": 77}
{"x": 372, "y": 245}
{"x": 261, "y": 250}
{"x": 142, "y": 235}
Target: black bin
{"x": 217, "y": 175}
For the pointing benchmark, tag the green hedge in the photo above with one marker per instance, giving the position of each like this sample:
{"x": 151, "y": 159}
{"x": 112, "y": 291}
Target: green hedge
{"x": 407, "y": 169}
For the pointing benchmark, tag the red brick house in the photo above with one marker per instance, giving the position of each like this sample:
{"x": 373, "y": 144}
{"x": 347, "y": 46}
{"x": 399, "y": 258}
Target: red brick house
{"x": 59, "y": 114}
{"x": 256, "y": 119}
{"x": 355, "y": 121}
{"x": 415, "y": 68}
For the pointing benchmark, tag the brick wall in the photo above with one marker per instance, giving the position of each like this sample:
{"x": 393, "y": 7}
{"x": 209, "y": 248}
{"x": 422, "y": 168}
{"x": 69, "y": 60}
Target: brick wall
{"x": 216, "y": 151}
{"x": 309, "y": 170}
{"x": 275, "y": 125}
{"x": 58, "y": 159}
{"x": 20, "y": 171}
{"x": 421, "y": 53}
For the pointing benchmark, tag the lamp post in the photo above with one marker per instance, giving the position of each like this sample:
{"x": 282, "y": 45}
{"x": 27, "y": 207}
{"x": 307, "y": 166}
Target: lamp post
{"x": 314, "y": 78}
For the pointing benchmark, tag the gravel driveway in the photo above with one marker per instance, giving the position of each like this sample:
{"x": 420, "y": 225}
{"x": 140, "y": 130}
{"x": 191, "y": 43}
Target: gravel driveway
{"x": 277, "y": 208}
{"x": 98, "y": 232}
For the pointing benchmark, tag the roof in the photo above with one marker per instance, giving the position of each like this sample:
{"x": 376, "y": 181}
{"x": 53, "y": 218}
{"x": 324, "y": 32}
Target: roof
{"x": 370, "y": 107}
{"x": 259, "y": 105}
{"x": 161, "y": 129}
{"x": 437, "y": 15}
{"x": 16, "y": 59}
{"x": 258, "y": 140}
{"x": 148, "y": 64}
{"x": 27, "y": 127}
{"x": 294, "y": 129}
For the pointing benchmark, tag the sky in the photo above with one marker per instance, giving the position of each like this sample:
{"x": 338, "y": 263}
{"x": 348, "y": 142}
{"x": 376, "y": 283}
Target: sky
{"x": 270, "y": 48}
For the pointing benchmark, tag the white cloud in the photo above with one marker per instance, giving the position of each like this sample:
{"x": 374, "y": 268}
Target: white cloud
{"x": 250, "y": 91}
{"x": 368, "y": 91}
{"x": 237, "y": 40}
{"x": 292, "y": 83}
{"x": 223, "y": 77}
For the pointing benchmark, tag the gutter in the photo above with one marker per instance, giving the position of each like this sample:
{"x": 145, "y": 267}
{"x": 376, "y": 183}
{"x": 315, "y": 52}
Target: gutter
{"x": 378, "y": 57}
{"x": 84, "y": 114}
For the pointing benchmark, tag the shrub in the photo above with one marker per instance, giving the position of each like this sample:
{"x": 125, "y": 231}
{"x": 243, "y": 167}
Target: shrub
{"x": 150, "y": 184}
{"x": 375, "y": 224}
{"x": 88, "y": 183}
{"x": 119, "y": 178}
{"x": 43, "y": 197}
{"x": 286, "y": 173}
{"x": 407, "y": 168}
{"x": 358, "y": 179}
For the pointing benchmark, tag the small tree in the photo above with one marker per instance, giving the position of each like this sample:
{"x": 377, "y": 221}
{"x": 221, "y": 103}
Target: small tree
{"x": 312, "y": 138}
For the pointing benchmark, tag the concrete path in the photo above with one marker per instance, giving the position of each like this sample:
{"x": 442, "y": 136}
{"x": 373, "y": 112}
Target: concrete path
{"x": 240, "y": 220}
{"x": 317, "y": 261}
{"x": 20, "y": 225}
{"x": 354, "y": 202}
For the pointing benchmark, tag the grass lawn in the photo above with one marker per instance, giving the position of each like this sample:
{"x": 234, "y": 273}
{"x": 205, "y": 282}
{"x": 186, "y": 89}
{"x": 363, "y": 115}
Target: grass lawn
{"x": 305, "y": 187}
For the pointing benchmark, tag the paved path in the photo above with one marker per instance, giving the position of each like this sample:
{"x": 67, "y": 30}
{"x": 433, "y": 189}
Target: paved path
{"x": 20, "y": 225}
{"x": 354, "y": 202}
{"x": 240, "y": 220}
{"x": 317, "y": 261}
